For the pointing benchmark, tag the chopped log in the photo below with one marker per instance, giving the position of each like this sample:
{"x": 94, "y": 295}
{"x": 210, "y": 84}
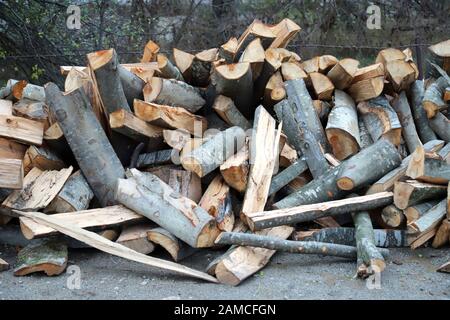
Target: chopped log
{"x": 422, "y": 238}
{"x": 135, "y": 238}
{"x": 427, "y": 169}
{"x": 33, "y": 110}
{"x": 173, "y": 93}
{"x": 132, "y": 84}
{"x": 417, "y": 91}
{"x": 393, "y": 216}
{"x": 390, "y": 54}
{"x": 288, "y": 155}
{"x": 430, "y": 220}
{"x": 185, "y": 183}
{"x": 183, "y": 61}
{"x": 235, "y": 82}
{"x": 75, "y": 195}
{"x": 364, "y": 135}
{"x": 155, "y": 158}
{"x": 255, "y": 55}
{"x": 273, "y": 243}
{"x": 385, "y": 238}
{"x": 433, "y": 101}
{"x": 373, "y": 71}
{"x": 11, "y": 173}
{"x": 410, "y": 192}
{"x": 442, "y": 235}
{"x": 268, "y": 219}
{"x": 292, "y": 71}
{"x": 201, "y": 66}
{"x": 326, "y": 63}
{"x": 93, "y": 219}
{"x": 227, "y": 110}
{"x": 343, "y": 72}
{"x": 274, "y": 91}
{"x": 217, "y": 202}
{"x": 21, "y": 129}
{"x": 25, "y": 90}
{"x": 39, "y": 189}
{"x": 6, "y": 107}
{"x": 287, "y": 175}
{"x": 105, "y": 64}
{"x": 87, "y": 140}
{"x": 177, "y": 249}
{"x": 131, "y": 126}
{"x": 3, "y": 265}
{"x": 264, "y": 146}
{"x": 342, "y": 128}
{"x": 42, "y": 158}
{"x": 211, "y": 154}
{"x": 166, "y": 69}
{"x": 440, "y": 55}
{"x": 415, "y": 212}
{"x": 148, "y": 195}
{"x": 444, "y": 268}
{"x": 381, "y": 120}
{"x": 366, "y": 89}
{"x": 323, "y": 87}
{"x": 441, "y": 125}
{"x": 192, "y": 144}
{"x": 236, "y": 168}
{"x": 49, "y": 256}
{"x": 400, "y": 74}
{"x": 256, "y": 29}
{"x": 151, "y": 49}
{"x": 387, "y": 182}
{"x": 361, "y": 171}
{"x": 110, "y": 247}
{"x": 227, "y": 51}
{"x": 176, "y": 138}
{"x": 170, "y": 117}
{"x": 311, "y": 65}
{"x": 284, "y": 31}
{"x": 272, "y": 62}
{"x": 409, "y": 132}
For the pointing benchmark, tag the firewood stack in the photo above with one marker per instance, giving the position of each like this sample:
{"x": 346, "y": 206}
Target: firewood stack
{"x": 245, "y": 145}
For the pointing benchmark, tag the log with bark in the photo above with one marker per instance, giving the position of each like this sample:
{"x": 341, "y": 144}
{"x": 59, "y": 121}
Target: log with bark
{"x": 24, "y": 90}
{"x": 42, "y": 158}
{"x": 166, "y": 69}
{"x": 255, "y": 55}
{"x": 415, "y": 212}
{"x": 202, "y": 65}
{"x": 366, "y": 89}
{"x": 155, "y": 158}
{"x": 442, "y": 236}
{"x": 433, "y": 101}
{"x": 274, "y": 91}
{"x": 183, "y": 61}
{"x": 440, "y": 55}
{"x": 430, "y": 220}
{"x": 372, "y": 71}
{"x": 426, "y": 169}
{"x": 441, "y": 125}
{"x": 236, "y": 168}
{"x": 393, "y": 216}
{"x": 322, "y": 86}
{"x": 227, "y": 110}
{"x": 135, "y": 238}
{"x": 177, "y": 249}
{"x": 411, "y": 192}
{"x": 416, "y": 93}
{"x": 287, "y": 175}
{"x": 6, "y": 107}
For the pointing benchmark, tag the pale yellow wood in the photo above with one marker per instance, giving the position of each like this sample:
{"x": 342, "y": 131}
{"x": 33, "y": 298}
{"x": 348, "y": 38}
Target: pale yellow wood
{"x": 128, "y": 124}
{"x": 6, "y": 107}
{"x": 21, "y": 129}
{"x": 11, "y": 173}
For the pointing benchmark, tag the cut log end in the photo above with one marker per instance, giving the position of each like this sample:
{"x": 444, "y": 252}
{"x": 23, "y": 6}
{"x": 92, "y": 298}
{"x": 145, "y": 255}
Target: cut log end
{"x": 345, "y": 183}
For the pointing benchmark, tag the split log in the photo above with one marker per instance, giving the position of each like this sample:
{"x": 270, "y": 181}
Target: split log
{"x": 292, "y": 71}
{"x": 427, "y": 169}
{"x": 390, "y": 54}
{"x": 201, "y": 67}
{"x": 273, "y": 243}
{"x": 227, "y": 110}
{"x": 415, "y": 212}
{"x": 385, "y": 238}
{"x": 366, "y": 89}
{"x": 185, "y": 183}
{"x": 288, "y": 155}
{"x": 343, "y": 72}
{"x": 236, "y": 168}
{"x": 42, "y": 158}
{"x": 433, "y": 101}
{"x": 441, "y": 125}
{"x": 87, "y": 140}
{"x": 166, "y": 69}
{"x": 440, "y": 55}
{"x": 400, "y": 74}
{"x": 6, "y": 107}
{"x": 274, "y": 91}
{"x": 3, "y": 265}
{"x": 287, "y": 175}
{"x": 155, "y": 158}
{"x": 47, "y": 256}
{"x": 39, "y": 189}
{"x": 24, "y": 90}
{"x": 151, "y": 49}
{"x": 381, "y": 120}
{"x": 311, "y": 65}
{"x": 442, "y": 235}
{"x": 217, "y": 202}
{"x": 176, "y": 138}
{"x": 272, "y": 64}
{"x": 21, "y": 129}
{"x": 409, "y": 193}
{"x": 75, "y": 195}
{"x": 148, "y": 195}
{"x": 417, "y": 91}
{"x": 387, "y": 182}
{"x": 135, "y": 238}
{"x": 342, "y": 128}
{"x": 173, "y": 93}
{"x": 373, "y": 71}
{"x": 235, "y": 81}
{"x": 325, "y": 187}
{"x": 11, "y": 173}
{"x": 326, "y": 63}
{"x": 105, "y": 66}
{"x": 211, "y": 154}
{"x": 284, "y": 31}
{"x": 183, "y": 61}
{"x": 323, "y": 87}
{"x": 264, "y": 148}
{"x": 409, "y": 132}
{"x": 177, "y": 249}
{"x": 170, "y": 117}
{"x": 110, "y": 247}
{"x": 93, "y": 219}
{"x": 430, "y": 220}
{"x": 393, "y": 216}
{"x": 33, "y": 110}
{"x": 131, "y": 126}
{"x": 256, "y": 29}
{"x": 444, "y": 268}
{"x": 227, "y": 51}
{"x": 361, "y": 170}
{"x": 268, "y": 219}
{"x": 255, "y": 55}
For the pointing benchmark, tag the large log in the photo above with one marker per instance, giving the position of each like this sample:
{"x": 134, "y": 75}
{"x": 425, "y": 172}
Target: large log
{"x": 412, "y": 192}
{"x": 409, "y": 132}
{"x": 148, "y": 195}
{"x": 342, "y": 128}
{"x": 400, "y": 74}
{"x": 369, "y": 72}
{"x": 173, "y": 93}
{"x": 292, "y": 71}
{"x": 433, "y": 101}
{"x": 87, "y": 140}
{"x": 211, "y": 154}
{"x": 268, "y": 219}
{"x": 177, "y": 249}
{"x": 441, "y": 126}
{"x": 417, "y": 91}
{"x": 236, "y": 168}
{"x": 132, "y": 84}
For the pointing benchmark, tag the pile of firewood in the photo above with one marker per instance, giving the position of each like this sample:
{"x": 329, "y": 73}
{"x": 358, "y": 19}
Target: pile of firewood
{"x": 245, "y": 145}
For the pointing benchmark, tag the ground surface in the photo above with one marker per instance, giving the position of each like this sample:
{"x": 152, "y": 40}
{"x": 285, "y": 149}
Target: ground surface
{"x": 409, "y": 275}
